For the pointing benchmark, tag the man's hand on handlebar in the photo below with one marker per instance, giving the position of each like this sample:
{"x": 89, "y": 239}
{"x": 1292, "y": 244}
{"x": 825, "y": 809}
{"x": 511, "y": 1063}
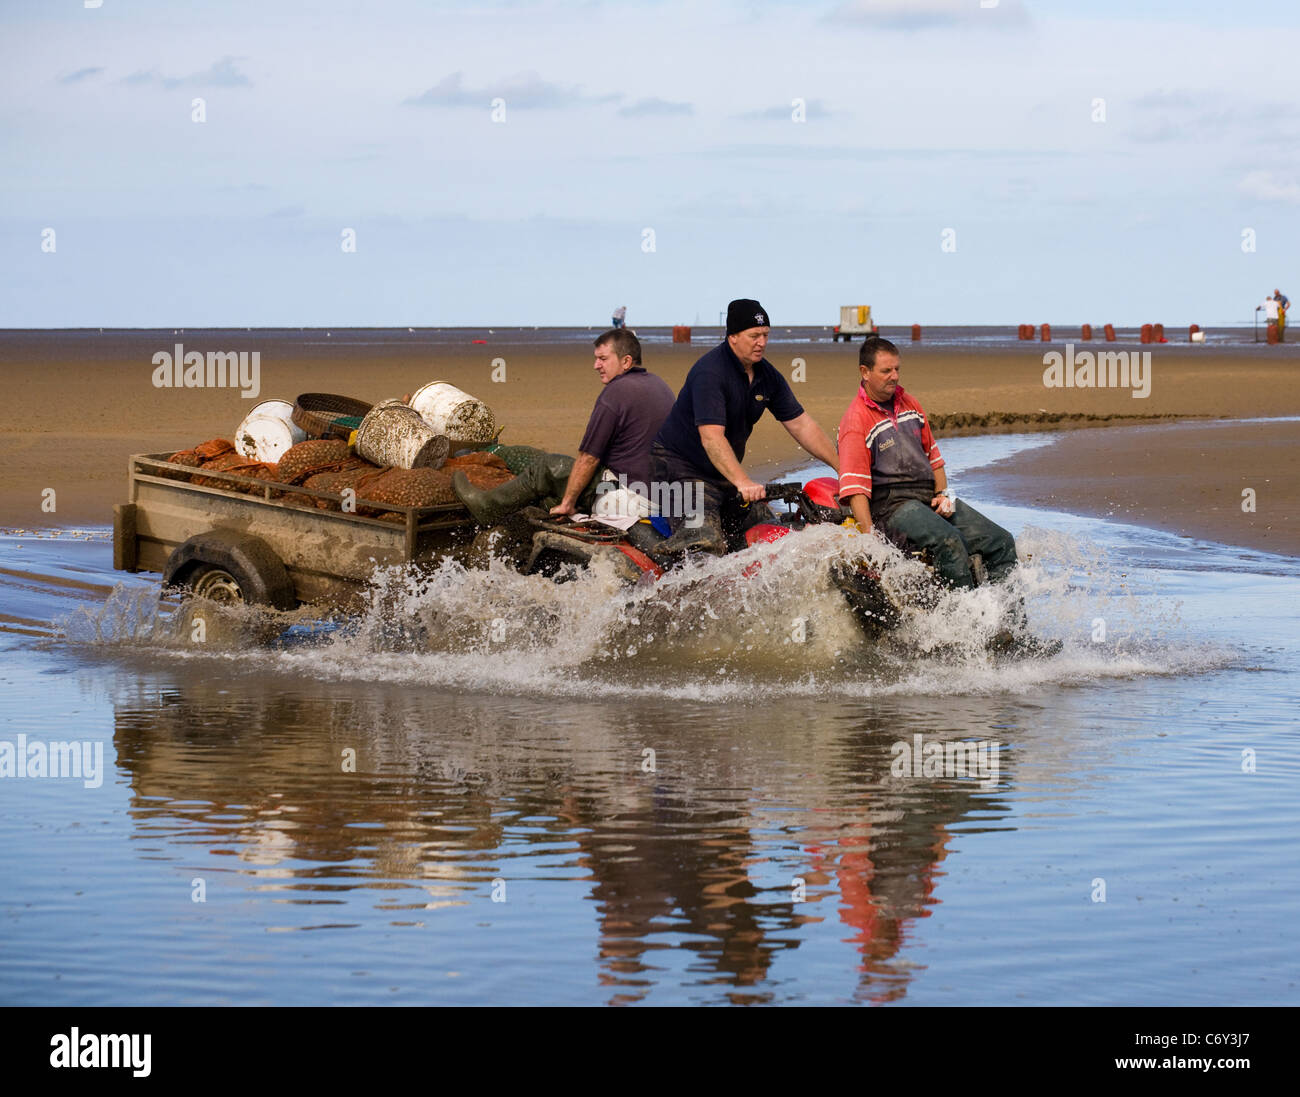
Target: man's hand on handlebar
{"x": 751, "y": 492}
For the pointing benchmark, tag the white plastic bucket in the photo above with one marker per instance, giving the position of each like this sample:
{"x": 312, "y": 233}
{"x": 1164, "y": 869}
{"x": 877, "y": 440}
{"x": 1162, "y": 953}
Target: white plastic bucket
{"x": 463, "y": 418}
{"x": 267, "y": 432}
{"x": 394, "y": 434}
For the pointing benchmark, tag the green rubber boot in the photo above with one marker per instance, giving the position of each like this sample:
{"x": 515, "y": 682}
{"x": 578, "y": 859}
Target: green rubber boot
{"x": 544, "y": 478}
{"x": 707, "y": 537}
{"x": 488, "y": 508}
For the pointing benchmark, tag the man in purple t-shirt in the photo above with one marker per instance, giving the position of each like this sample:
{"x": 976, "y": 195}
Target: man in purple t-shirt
{"x": 614, "y": 451}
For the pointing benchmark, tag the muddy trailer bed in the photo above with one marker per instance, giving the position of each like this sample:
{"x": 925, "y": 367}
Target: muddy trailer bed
{"x": 240, "y": 539}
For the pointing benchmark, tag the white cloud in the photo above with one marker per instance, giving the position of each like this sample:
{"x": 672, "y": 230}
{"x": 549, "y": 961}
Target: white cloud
{"x": 220, "y": 74}
{"x": 910, "y": 15}
{"x": 655, "y": 106}
{"x": 1266, "y": 187}
{"x": 814, "y": 111}
{"x": 525, "y": 90}
{"x": 80, "y": 74}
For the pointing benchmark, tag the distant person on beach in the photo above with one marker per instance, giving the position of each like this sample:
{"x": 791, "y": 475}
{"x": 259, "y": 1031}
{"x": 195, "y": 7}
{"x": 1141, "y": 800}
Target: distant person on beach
{"x": 620, "y": 317}
{"x": 702, "y": 442}
{"x": 1283, "y": 304}
{"x": 1272, "y": 313}
{"x": 631, "y": 407}
{"x": 893, "y": 477}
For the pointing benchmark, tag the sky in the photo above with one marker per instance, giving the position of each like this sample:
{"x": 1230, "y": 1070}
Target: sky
{"x": 285, "y": 163}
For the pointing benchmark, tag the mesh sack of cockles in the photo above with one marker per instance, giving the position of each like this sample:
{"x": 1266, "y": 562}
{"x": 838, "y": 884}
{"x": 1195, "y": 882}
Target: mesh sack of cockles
{"x": 312, "y": 457}
{"x": 396, "y": 487}
{"x": 478, "y": 457}
{"x": 354, "y": 476}
{"x": 187, "y": 457}
{"x": 423, "y": 487}
{"x": 235, "y": 465}
{"x": 215, "y": 448}
{"x": 486, "y": 478}
{"x": 335, "y": 483}
{"x": 196, "y": 457}
{"x": 483, "y": 470}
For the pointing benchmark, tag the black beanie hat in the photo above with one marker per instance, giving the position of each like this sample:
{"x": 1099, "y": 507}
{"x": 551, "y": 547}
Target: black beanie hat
{"x": 745, "y": 314}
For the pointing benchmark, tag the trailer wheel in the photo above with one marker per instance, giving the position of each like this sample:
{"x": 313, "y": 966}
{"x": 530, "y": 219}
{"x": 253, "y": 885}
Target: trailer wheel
{"x": 231, "y": 568}
{"x": 216, "y": 584}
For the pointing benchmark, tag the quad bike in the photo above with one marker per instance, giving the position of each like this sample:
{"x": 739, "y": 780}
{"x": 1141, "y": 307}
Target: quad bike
{"x": 551, "y": 547}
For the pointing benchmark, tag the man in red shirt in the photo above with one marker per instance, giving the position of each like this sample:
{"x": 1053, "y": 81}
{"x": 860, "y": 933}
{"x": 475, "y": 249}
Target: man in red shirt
{"x": 893, "y": 478}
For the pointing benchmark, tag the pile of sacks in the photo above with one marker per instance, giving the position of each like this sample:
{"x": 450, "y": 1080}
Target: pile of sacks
{"x": 328, "y": 465}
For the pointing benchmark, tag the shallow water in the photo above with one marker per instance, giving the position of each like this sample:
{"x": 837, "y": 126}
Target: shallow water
{"x": 519, "y": 797}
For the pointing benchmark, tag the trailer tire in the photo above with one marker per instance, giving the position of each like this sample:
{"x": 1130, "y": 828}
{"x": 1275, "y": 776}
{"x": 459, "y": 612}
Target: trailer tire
{"x": 231, "y": 567}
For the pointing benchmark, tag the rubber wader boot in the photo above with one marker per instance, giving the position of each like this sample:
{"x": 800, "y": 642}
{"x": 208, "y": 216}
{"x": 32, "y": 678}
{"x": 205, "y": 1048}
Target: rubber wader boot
{"x": 488, "y": 508}
{"x": 706, "y": 537}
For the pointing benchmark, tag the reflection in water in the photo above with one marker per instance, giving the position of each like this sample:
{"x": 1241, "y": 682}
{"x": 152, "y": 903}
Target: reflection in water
{"x": 384, "y": 793}
{"x": 706, "y": 842}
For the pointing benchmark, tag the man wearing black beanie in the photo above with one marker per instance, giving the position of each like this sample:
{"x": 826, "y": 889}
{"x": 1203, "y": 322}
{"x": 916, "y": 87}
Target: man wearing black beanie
{"x": 702, "y": 442}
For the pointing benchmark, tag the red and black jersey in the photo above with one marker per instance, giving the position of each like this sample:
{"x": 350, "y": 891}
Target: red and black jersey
{"x": 882, "y": 445}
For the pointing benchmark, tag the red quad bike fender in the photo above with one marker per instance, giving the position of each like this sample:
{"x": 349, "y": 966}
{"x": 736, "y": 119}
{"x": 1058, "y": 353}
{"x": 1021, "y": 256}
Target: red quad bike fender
{"x": 824, "y": 491}
{"x": 641, "y": 560}
{"x": 765, "y": 531}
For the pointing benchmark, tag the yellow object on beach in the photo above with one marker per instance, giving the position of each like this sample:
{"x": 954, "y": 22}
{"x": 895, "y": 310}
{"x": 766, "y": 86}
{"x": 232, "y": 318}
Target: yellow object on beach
{"x": 352, "y": 440}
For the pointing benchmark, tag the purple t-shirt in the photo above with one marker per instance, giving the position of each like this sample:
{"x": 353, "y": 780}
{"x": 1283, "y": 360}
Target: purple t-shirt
{"x": 628, "y": 414}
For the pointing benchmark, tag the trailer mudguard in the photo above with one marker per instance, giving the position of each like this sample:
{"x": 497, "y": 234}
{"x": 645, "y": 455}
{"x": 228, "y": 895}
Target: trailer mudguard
{"x": 260, "y": 573}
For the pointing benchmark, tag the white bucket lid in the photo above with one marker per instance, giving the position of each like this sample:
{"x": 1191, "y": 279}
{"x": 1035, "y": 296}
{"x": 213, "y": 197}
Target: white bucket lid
{"x": 276, "y": 409}
{"x": 266, "y": 437}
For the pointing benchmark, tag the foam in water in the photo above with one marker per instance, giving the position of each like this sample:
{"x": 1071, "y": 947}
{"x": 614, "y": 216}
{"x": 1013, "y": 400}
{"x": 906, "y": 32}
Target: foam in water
{"x": 762, "y": 622}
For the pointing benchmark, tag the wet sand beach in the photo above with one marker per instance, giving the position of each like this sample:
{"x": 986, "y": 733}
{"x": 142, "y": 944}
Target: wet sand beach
{"x": 1187, "y": 478}
{"x": 79, "y": 403}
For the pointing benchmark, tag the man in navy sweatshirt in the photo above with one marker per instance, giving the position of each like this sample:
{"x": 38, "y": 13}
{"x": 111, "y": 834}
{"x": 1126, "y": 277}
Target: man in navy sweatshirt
{"x": 702, "y": 443}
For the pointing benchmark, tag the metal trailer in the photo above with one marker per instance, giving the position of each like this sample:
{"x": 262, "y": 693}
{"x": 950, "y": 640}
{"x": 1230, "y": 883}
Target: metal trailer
{"x": 854, "y": 320}
{"x": 247, "y": 540}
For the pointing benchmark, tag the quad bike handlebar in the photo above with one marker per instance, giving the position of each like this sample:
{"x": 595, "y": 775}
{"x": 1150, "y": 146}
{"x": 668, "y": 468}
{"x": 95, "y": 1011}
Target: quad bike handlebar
{"x": 789, "y": 491}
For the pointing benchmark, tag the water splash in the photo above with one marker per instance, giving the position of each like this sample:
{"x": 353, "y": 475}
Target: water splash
{"x": 760, "y": 623}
